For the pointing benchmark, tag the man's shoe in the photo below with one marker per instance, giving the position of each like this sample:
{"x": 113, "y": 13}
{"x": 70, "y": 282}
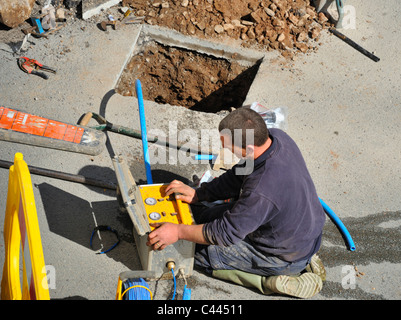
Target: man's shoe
{"x": 303, "y": 286}
{"x": 316, "y": 266}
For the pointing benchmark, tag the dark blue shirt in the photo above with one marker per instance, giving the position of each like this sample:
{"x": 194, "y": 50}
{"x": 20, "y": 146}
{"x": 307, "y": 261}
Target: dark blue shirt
{"x": 277, "y": 210}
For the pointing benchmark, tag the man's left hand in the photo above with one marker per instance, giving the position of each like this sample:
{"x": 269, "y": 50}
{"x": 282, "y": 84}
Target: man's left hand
{"x": 166, "y": 233}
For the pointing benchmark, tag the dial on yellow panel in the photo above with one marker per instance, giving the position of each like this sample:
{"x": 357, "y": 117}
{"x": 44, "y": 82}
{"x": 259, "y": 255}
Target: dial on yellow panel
{"x": 160, "y": 208}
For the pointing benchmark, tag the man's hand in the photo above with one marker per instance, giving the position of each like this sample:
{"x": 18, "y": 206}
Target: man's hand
{"x": 165, "y": 233}
{"x": 186, "y": 193}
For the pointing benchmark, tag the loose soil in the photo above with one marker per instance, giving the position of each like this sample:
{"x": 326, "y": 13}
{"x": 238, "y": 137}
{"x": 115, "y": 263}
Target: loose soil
{"x": 199, "y": 82}
{"x": 203, "y": 83}
{"x": 186, "y": 78}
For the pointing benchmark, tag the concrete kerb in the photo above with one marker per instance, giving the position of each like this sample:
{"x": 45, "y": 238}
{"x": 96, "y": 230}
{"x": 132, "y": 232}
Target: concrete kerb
{"x": 89, "y": 10}
{"x": 164, "y": 36}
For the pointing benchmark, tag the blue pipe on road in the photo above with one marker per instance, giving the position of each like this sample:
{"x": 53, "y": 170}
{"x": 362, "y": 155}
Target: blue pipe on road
{"x": 142, "y": 120}
{"x": 205, "y": 157}
{"x": 339, "y": 224}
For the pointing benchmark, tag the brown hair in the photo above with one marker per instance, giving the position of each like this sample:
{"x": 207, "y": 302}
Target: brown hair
{"x": 244, "y": 119}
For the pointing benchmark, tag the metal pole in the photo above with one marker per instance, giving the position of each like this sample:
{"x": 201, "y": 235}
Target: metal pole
{"x": 64, "y": 176}
{"x": 354, "y": 45}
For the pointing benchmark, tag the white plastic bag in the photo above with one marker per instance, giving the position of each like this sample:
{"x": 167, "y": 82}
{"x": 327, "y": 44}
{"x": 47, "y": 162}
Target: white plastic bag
{"x": 207, "y": 177}
{"x": 274, "y": 118}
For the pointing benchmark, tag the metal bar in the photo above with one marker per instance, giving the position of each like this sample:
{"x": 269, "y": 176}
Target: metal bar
{"x": 64, "y": 176}
{"x": 354, "y": 45}
{"x": 105, "y": 126}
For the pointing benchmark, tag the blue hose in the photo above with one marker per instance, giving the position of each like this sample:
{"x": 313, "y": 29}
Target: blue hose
{"x": 136, "y": 293}
{"x": 138, "y": 89}
{"x": 175, "y": 284}
{"x": 339, "y": 224}
{"x": 205, "y": 157}
{"x": 186, "y": 294}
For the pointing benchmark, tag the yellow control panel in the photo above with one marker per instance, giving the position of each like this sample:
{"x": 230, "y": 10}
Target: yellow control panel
{"x": 160, "y": 208}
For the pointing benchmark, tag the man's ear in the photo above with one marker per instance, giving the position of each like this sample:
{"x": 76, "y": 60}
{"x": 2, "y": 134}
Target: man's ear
{"x": 249, "y": 151}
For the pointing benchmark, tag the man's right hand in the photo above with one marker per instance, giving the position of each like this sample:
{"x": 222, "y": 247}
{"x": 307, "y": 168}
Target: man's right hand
{"x": 183, "y": 192}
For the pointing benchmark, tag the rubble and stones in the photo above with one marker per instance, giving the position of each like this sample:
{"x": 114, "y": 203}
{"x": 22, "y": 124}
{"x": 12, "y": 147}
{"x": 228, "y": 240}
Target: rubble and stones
{"x": 286, "y": 25}
{"x": 289, "y": 26}
{"x": 15, "y": 12}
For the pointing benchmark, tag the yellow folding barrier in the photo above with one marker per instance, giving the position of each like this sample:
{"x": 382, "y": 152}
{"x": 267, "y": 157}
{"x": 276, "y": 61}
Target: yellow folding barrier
{"x": 21, "y": 229}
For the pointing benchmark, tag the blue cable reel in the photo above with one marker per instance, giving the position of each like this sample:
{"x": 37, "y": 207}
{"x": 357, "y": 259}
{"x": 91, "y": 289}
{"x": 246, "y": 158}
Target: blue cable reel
{"x": 136, "y": 289}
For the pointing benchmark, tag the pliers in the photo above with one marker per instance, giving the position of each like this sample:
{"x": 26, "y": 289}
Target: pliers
{"x": 31, "y": 66}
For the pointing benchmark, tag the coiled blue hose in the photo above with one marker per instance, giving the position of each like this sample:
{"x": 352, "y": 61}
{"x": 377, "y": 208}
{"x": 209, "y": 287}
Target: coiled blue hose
{"x": 339, "y": 224}
{"x": 136, "y": 289}
{"x": 142, "y": 119}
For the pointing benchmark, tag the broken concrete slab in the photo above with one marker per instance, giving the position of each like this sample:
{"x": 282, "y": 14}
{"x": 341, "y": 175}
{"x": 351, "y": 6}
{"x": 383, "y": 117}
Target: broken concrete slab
{"x": 94, "y": 7}
{"x": 15, "y": 12}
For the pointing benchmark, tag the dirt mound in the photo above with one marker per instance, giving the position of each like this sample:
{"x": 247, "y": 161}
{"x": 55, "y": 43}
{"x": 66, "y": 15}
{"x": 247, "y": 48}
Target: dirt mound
{"x": 186, "y": 78}
{"x": 286, "y": 25}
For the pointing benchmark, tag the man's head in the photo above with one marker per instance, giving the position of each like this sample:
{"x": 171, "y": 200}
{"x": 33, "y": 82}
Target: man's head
{"x": 242, "y": 131}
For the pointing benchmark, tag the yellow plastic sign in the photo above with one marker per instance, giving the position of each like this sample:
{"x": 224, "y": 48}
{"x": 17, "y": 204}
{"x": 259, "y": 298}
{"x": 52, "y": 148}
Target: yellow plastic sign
{"x": 21, "y": 231}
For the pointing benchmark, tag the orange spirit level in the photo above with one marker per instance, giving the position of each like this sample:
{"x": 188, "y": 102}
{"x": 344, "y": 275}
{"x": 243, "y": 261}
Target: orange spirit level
{"x": 21, "y": 127}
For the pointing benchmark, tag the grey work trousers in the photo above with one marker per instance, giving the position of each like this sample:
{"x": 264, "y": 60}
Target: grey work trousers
{"x": 240, "y": 256}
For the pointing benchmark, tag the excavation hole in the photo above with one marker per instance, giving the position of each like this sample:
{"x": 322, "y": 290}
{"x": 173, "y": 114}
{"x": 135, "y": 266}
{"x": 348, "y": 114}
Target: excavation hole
{"x": 183, "y": 77}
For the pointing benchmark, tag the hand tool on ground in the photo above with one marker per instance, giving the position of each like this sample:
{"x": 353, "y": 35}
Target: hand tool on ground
{"x": 354, "y": 45}
{"x": 31, "y": 66}
{"x": 133, "y": 20}
{"x": 104, "y": 24}
{"x": 340, "y": 9}
{"x": 34, "y": 31}
{"x": 29, "y": 30}
{"x": 37, "y": 24}
{"x": 105, "y": 125}
{"x": 115, "y": 23}
{"x": 58, "y": 27}
{"x": 126, "y": 14}
{"x": 37, "y": 28}
{"x": 21, "y": 127}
